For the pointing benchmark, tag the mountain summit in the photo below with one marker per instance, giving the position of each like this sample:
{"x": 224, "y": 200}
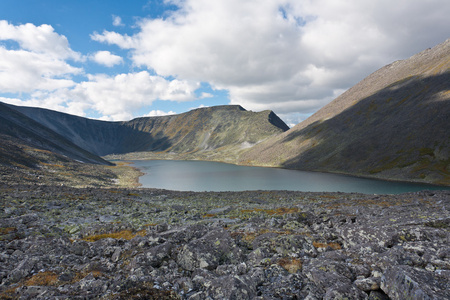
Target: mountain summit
{"x": 394, "y": 124}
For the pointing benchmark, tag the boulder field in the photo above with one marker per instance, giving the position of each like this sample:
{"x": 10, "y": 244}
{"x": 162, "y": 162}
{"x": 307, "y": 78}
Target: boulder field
{"x": 92, "y": 243}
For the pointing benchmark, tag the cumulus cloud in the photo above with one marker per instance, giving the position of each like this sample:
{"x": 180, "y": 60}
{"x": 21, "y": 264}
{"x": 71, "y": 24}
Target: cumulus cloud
{"x": 292, "y": 55}
{"x": 38, "y": 39}
{"x": 114, "y": 98}
{"x": 110, "y": 37}
{"x": 106, "y": 58}
{"x": 40, "y": 61}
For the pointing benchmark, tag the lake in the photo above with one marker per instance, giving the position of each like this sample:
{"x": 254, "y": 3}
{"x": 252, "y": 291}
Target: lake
{"x": 214, "y": 176}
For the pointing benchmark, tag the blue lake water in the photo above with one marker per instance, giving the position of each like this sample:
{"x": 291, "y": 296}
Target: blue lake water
{"x": 213, "y": 176}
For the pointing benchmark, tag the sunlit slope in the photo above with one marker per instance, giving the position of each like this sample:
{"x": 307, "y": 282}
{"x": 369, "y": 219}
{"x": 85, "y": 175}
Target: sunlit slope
{"x": 219, "y": 132}
{"x": 394, "y": 124}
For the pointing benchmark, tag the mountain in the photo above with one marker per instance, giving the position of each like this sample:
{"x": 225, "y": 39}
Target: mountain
{"x": 218, "y": 132}
{"x": 22, "y": 138}
{"x": 394, "y": 124}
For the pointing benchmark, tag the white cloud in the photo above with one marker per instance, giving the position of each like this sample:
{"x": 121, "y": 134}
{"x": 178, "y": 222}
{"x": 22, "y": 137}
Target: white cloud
{"x": 288, "y": 55}
{"x": 114, "y": 98}
{"x": 119, "y": 96}
{"x": 39, "y": 63}
{"x": 158, "y": 113}
{"x": 37, "y": 74}
{"x": 25, "y": 71}
{"x": 110, "y": 37}
{"x": 117, "y": 21}
{"x": 107, "y": 58}
{"x": 38, "y": 39}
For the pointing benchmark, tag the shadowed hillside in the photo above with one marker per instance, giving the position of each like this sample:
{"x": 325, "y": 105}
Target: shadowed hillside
{"x": 395, "y": 124}
{"x": 21, "y": 132}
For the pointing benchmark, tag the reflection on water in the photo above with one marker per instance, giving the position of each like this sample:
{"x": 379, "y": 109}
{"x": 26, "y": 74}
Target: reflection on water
{"x": 214, "y": 176}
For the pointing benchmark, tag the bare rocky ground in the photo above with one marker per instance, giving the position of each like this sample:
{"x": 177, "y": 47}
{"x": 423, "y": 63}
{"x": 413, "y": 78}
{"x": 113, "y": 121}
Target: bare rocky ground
{"x": 61, "y": 242}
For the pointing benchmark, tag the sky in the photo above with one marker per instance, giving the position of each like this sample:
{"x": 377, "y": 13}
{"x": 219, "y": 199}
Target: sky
{"x": 117, "y": 60}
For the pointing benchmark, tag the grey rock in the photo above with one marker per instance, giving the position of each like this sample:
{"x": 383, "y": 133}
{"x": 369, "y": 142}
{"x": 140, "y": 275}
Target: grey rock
{"x": 368, "y": 284}
{"x": 214, "y": 248}
{"x": 404, "y": 282}
{"x": 232, "y": 287}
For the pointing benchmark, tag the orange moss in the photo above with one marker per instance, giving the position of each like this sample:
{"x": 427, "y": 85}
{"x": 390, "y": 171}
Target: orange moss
{"x": 9, "y": 293}
{"x": 209, "y": 216}
{"x": 6, "y": 230}
{"x": 251, "y": 236}
{"x": 292, "y": 265}
{"x": 52, "y": 165}
{"x": 133, "y": 194}
{"x": 47, "y": 278}
{"x": 124, "y": 234}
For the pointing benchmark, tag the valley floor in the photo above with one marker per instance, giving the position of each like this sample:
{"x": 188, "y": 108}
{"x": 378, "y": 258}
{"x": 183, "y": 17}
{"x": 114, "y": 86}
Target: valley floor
{"x": 59, "y": 242}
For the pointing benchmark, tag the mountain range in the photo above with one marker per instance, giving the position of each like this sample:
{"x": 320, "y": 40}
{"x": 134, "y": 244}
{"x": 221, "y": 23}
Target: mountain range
{"x": 394, "y": 124}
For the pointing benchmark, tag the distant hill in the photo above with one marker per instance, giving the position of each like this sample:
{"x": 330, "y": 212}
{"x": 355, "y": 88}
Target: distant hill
{"x": 394, "y": 124}
{"x": 219, "y": 132}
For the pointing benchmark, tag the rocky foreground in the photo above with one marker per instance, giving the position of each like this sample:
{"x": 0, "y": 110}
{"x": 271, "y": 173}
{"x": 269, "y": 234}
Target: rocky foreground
{"x": 94, "y": 243}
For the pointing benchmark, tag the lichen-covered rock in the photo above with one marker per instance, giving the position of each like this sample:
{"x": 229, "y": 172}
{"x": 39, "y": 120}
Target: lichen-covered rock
{"x": 404, "y": 282}
{"x": 214, "y": 248}
{"x": 232, "y": 287}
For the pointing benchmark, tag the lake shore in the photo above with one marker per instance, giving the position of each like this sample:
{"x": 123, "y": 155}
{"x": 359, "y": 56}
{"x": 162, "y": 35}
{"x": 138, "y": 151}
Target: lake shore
{"x": 185, "y": 175}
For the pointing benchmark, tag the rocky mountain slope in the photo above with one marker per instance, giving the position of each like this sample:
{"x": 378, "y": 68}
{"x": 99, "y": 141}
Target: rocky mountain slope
{"x": 211, "y": 130}
{"x": 394, "y": 124}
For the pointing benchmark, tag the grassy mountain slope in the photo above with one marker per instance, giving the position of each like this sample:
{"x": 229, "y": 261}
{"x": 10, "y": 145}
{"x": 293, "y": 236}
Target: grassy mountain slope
{"x": 394, "y": 124}
{"x": 218, "y": 132}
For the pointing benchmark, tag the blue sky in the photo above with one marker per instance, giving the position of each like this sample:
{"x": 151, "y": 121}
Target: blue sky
{"x": 116, "y": 60}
